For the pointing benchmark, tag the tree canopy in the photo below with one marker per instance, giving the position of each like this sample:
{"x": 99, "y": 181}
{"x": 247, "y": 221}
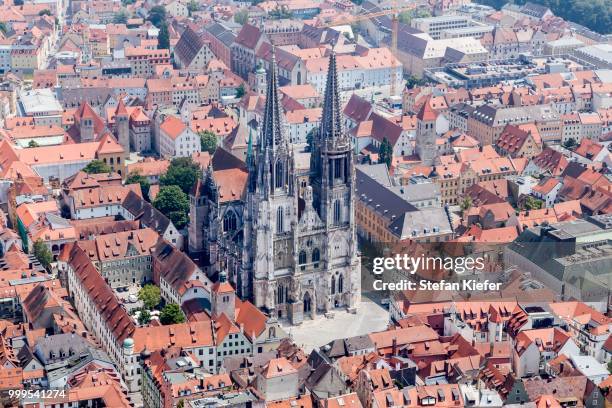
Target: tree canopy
{"x": 532, "y": 203}
{"x": 174, "y": 204}
{"x": 96, "y": 167}
{"x": 569, "y": 143}
{"x": 144, "y": 317}
{"x": 208, "y": 141}
{"x": 135, "y": 177}
{"x": 240, "y": 91}
{"x": 310, "y": 137}
{"x": 182, "y": 172}
{"x": 157, "y": 15}
{"x": 385, "y": 153}
{"x": 171, "y": 314}
{"x": 241, "y": 16}
{"x": 594, "y": 14}
{"x": 192, "y": 6}
{"x": 42, "y": 253}
{"x": 407, "y": 16}
{"x": 279, "y": 13}
{"x": 163, "y": 39}
{"x": 150, "y": 296}
{"x": 120, "y": 17}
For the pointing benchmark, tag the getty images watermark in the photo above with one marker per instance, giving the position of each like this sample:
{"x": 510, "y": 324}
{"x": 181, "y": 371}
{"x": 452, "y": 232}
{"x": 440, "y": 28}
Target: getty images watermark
{"x": 405, "y": 265}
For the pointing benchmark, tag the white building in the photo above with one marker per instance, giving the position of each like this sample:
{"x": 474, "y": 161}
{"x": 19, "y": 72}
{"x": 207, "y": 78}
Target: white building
{"x": 434, "y": 26}
{"x": 365, "y": 74}
{"x": 302, "y": 121}
{"x": 176, "y": 139}
{"x": 42, "y": 105}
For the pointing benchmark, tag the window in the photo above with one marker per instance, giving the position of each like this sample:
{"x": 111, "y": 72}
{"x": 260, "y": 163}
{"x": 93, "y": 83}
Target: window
{"x": 229, "y": 222}
{"x": 278, "y": 175}
{"x": 279, "y": 220}
{"x": 302, "y": 257}
{"x": 316, "y": 255}
{"x": 337, "y": 212}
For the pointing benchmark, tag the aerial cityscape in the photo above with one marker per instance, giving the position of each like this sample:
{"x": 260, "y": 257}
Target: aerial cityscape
{"x": 305, "y": 204}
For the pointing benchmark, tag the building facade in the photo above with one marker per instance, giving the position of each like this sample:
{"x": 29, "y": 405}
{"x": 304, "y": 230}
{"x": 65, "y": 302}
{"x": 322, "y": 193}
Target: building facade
{"x": 297, "y": 256}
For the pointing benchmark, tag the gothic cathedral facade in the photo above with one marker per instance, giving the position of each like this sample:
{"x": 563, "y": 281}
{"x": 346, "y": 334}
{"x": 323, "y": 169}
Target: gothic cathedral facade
{"x": 299, "y": 254}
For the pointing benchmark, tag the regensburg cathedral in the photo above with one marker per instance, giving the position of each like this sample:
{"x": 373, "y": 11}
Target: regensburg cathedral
{"x": 291, "y": 250}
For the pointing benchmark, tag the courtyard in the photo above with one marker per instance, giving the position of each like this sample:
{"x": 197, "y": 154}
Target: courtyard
{"x": 370, "y": 317}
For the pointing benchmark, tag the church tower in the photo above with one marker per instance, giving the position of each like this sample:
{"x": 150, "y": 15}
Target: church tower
{"x": 333, "y": 182}
{"x": 426, "y": 134}
{"x": 271, "y": 208}
{"x": 299, "y": 255}
{"x": 122, "y": 123}
{"x": 332, "y": 158}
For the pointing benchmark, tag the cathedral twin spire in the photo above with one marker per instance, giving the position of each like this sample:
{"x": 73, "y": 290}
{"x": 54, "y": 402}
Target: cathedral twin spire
{"x": 331, "y": 122}
{"x": 273, "y": 132}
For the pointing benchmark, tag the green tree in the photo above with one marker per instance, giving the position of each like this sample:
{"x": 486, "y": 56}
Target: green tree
{"x": 240, "y": 91}
{"x": 193, "y": 6}
{"x": 407, "y": 16}
{"x": 532, "y": 203}
{"x": 182, "y": 172}
{"x": 241, "y": 16}
{"x": 157, "y": 16}
{"x": 413, "y": 81}
{"x": 279, "y": 13}
{"x": 3, "y": 27}
{"x": 570, "y": 143}
{"x": 385, "y": 153}
{"x": 150, "y": 296}
{"x": 466, "y": 204}
{"x": 174, "y": 204}
{"x": 171, "y": 314}
{"x": 42, "y": 253}
{"x": 181, "y": 404}
{"x": 593, "y": 14}
{"x": 127, "y": 2}
{"x": 163, "y": 38}
{"x": 135, "y": 177}
{"x": 121, "y": 17}
{"x": 208, "y": 141}
{"x": 33, "y": 143}
{"x": 144, "y": 317}
{"x": 44, "y": 12}
{"x": 97, "y": 166}
{"x": 312, "y": 133}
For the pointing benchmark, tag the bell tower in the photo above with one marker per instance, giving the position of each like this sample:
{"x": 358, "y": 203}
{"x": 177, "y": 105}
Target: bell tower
{"x": 122, "y": 124}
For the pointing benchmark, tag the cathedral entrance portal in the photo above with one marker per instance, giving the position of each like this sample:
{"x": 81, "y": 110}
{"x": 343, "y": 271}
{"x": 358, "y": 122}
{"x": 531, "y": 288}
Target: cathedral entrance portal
{"x": 307, "y": 303}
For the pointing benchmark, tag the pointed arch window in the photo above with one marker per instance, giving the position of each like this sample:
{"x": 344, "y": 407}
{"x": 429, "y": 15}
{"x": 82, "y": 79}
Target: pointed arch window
{"x": 333, "y": 285}
{"x": 302, "y": 258}
{"x": 337, "y": 214}
{"x": 316, "y": 255}
{"x": 280, "y": 215}
{"x": 280, "y": 295}
{"x": 229, "y": 222}
{"x": 279, "y": 174}
{"x": 340, "y": 284}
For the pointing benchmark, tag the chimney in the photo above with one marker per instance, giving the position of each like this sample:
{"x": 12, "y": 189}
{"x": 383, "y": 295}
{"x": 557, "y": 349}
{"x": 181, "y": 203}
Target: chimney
{"x": 394, "y": 346}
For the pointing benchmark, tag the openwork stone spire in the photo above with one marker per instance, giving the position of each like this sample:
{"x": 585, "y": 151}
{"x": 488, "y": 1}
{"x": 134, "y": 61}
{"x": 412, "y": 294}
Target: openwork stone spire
{"x": 273, "y": 132}
{"x": 331, "y": 127}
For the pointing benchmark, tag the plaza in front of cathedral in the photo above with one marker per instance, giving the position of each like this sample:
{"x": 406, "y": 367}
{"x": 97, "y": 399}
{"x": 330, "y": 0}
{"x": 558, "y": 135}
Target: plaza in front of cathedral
{"x": 369, "y": 317}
